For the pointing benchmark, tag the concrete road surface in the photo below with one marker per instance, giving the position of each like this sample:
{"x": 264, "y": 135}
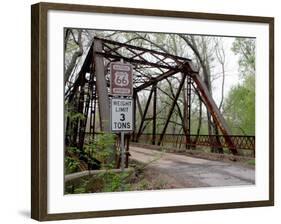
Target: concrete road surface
{"x": 185, "y": 171}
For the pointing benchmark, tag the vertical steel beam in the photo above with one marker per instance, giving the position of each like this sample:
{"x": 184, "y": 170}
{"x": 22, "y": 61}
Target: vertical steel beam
{"x": 80, "y": 109}
{"x": 144, "y": 114}
{"x": 91, "y": 83}
{"x": 139, "y": 105}
{"x": 83, "y": 123}
{"x": 154, "y": 113}
{"x": 171, "y": 110}
{"x": 101, "y": 87}
{"x": 94, "y": 111}
{"x": 134, "y": 115}
{"x": 188, "y": 95}
{"x": 91, "y": 116}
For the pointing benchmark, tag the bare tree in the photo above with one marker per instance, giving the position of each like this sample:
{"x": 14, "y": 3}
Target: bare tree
{"x": 220, "y": 55}
{"x": 203, "y": 52}
{"x": 78, "y": 53}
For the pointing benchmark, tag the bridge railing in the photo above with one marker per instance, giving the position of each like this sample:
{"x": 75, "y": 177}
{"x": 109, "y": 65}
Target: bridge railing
{"x": 240, "y": 141}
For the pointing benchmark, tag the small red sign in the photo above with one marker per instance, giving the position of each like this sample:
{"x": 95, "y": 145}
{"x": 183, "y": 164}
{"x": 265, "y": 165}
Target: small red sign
{"x": 121, "y": 79}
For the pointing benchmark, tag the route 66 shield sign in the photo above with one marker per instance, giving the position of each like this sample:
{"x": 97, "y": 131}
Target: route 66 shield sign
{"x": 121, "y": 79}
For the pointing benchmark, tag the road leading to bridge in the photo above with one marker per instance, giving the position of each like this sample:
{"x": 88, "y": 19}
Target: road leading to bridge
{"x": 185, "y": 171}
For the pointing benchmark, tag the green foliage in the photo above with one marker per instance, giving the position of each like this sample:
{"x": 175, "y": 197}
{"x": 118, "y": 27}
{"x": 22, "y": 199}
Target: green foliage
{"x": 252, "y": 162}
{"x": 245, "y": 48}
{"x": 72, "y": 149}
{"x": 71, "y": 114}
{"x": 75, "y": 116}
{"x": 143, "y": 185}
{"x": 107, "y": 181}
{"x": 71, "y": 165}
{"x": 239, "y": 107}
{"x": 113, "y": 181}
{"x": 102, "y": 148}
{"x": 82, "y": 188}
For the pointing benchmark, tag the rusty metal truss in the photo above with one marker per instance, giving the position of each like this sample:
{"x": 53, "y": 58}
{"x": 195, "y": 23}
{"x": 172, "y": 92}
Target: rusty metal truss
{"x": 88, "y": 92}
{"x": 150, "y": 66}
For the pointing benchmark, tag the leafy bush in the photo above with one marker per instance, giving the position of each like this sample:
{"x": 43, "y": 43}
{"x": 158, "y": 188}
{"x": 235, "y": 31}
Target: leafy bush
{"x": 102, "y": 149}
{"x": 71, "y": 165}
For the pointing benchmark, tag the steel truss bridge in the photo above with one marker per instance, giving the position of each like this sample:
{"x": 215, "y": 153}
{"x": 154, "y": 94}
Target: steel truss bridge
{"x": 87, "y": 91}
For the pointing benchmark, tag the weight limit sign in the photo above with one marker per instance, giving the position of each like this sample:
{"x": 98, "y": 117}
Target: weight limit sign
{"x": 121, "y": 115}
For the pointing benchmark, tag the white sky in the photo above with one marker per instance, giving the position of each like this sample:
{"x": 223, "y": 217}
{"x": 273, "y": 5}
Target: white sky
{"x": 231, "y": 71}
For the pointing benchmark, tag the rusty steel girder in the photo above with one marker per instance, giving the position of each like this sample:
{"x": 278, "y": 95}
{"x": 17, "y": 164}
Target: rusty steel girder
{"x": 148, "y": 72}
{"x": 214, "y": 110}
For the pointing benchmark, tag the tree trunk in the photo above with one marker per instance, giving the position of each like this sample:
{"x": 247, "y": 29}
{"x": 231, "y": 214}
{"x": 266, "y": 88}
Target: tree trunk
{"x": 75, "y": 56}
{"x": 204, "y": 62}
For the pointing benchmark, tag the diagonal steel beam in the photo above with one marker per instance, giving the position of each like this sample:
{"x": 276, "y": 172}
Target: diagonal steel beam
{"x": 156, "y": 79}
{"x": 131, "y": 60}
{"x": 139, "y": 105}
{"x": 214, "y": 110}
{"x": 141, "y": 49}
{"x": 144, "y": 113}
{"x": 171, "y": 110}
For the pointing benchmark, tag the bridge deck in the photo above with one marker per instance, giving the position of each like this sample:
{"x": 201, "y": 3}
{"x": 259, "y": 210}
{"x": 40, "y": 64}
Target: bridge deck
{"x": 183, "y": 171}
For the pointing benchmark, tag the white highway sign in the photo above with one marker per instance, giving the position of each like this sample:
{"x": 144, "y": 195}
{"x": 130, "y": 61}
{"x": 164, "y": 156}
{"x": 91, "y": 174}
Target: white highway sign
{"x": 121, "y": 114}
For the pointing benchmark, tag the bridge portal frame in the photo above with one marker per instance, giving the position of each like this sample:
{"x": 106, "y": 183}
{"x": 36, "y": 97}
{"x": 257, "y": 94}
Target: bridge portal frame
{"x": 96, "y": 63}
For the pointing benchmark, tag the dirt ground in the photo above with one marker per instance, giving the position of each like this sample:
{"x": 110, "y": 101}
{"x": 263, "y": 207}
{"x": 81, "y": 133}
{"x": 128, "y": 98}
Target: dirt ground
{"x": 170, "y": 170}
{"x": 241, "y": 160}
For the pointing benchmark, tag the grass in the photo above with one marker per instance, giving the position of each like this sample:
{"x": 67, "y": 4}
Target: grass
{"x": 140, "y": 179}
{"x": 251, "y": 162}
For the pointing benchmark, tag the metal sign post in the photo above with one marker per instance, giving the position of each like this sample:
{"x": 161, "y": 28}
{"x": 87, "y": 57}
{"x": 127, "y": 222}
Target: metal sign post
{"x": 121, "y": 86}
{"x": 122, "y": 121}
{"x": 122, "y": 152}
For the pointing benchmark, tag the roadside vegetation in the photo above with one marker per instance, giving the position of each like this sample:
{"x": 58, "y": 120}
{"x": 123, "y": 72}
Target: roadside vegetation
{"x": 108, "y": 180}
